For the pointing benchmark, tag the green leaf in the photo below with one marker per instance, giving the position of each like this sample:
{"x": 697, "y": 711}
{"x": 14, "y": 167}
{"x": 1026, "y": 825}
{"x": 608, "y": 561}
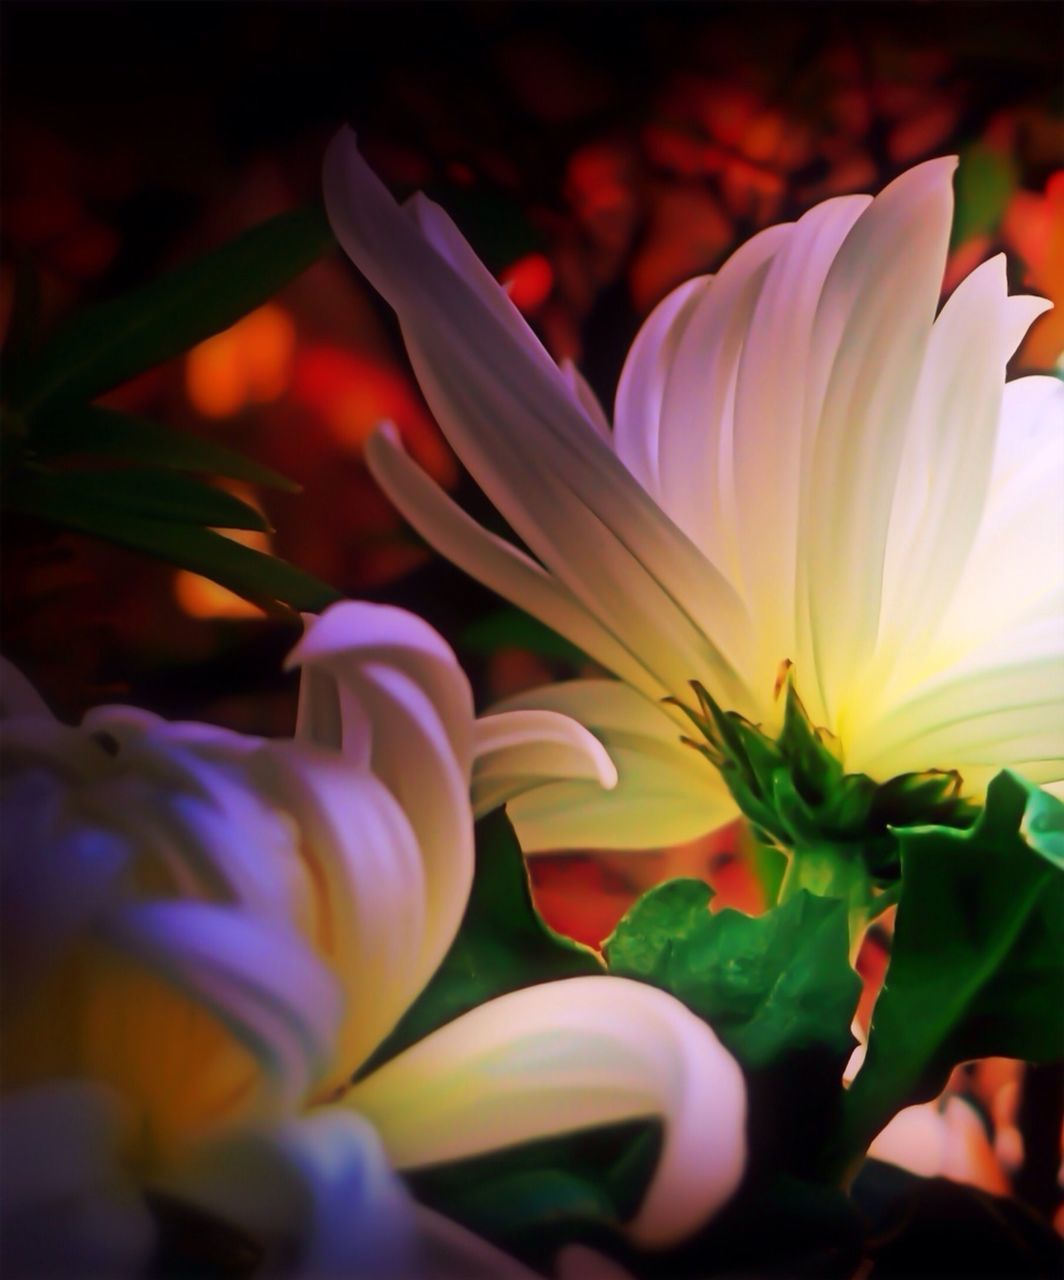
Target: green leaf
{"x": 104, "y": 346}
{"x": 262, "y": 578}
{"x": 769, "y": 985}
{"x": 91, "y": 431}
{"x": 158, "y": 495}
{"x": 525, "y": 1200}
{"x": 513, "y": 628}
{"x": 503, "y": 944}
{"x": 977, "y": 967}
{"x": 985, "y": 181}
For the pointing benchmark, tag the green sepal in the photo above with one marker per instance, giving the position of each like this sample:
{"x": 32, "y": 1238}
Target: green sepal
{"x": 503, "y": 944}
{"x": 769, "y": 985}
{"x": 977, "y": 964}
{"x": 797, "y": 794}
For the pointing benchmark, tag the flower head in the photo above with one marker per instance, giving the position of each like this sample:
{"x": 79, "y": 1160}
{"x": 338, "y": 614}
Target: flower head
{"x": 807, "y": 466}
{"x": 207, "y": 935}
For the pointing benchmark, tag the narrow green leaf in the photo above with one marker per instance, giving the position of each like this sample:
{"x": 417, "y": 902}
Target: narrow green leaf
{"x": 108, "y": 344}
{"x": 157, "y": 495}
{"x": 514, "y": 628}
{"x": 503, "y": 944}
{"x": 769, "y": 985}
{"x": 977, "y": 967}
{"x": 91, "y": 431}
{"x": 262, "y": 578}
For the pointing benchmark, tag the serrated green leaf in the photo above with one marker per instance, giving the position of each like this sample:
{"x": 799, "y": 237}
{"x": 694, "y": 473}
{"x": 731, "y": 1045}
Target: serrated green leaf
{"x": 91, "y": 431}
{"x": 165, "y": 496}
{"x": 503, "y": 945}
{"x": 977, "y": 967}
{"x": 104, "y": 346}
{"x": 769, "y": 985}
{"x": 261, "y": 578}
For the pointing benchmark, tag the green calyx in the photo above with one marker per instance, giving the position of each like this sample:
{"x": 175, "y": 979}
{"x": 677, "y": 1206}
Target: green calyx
{"x": 837, "y": 828}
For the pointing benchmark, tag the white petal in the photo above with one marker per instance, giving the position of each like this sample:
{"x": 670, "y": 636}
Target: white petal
{"x": 414, "y": 758}
{"x": 368, "y": 903}
{"x": 666, "y": 791}
{"x": 352, "y": 634}
{"x": 260, "y": 980}
{"x": 945, "y": 469}
{"x": 197, "y": 822}
{"x": 695, "y": 441}
{"x": 567, "y": 1056}
{"x": 415, "y": 731}
{"x": 585, "y": 397}
{"x": 872, "y": 327}
{"x": 505, "y": 408}
{"x": 1004, "y": 705}
{"x": 517, "y": 751}
{"x": 316, "y": 1194}
{"x": 17, "y": 696}
{"x": 494, "y": 562}
{"x": 1016, "y": 564}
{"x": 775, "y": 424}
{"x": 67, "y": 1207}
{"x": 637, "y": 410}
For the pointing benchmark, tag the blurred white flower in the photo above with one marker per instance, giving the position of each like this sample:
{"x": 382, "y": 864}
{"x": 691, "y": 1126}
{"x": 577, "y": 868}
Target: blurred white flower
{"x": 805, "y": 466}
{"x": 206, "y": 935}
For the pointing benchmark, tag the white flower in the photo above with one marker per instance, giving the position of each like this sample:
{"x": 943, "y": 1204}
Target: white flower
{"x": 805, "y": 466}
{"x": 216, "y": 932}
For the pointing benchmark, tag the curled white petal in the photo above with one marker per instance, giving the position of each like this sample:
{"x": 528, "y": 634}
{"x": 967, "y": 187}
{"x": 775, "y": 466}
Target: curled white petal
{"x": 666, "y": 792}
{"x": 566, "y": 1056}
{"x": 518, "y": 751}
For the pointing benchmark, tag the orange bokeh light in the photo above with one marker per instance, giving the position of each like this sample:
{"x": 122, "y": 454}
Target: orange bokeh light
{"x": 249, "y": 363}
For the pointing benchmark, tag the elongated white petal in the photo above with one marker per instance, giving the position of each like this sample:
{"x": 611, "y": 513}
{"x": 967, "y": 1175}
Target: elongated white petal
{"x": 637, "y": 410}
{"x": 666, "y": 792}
{"x": 493, "y": 561}
{"x": 316, "y": 1194}
{"x": 260, "y": 981}
{"x": 17, "y": 696}
{"x": 400, "y": 686}
{"x": 1016, "y": 565}
{"x": 560, "y": 486}
{"x": 350, "y": 635}
{"x": 775, "y": 424}
{"x": 66, "y": 1206}
{"x": 368, "y": 900}
{"x": 695, "y": 438}
{"x": 585, "y": 397}
{"x": 518, "y": 751}
{"x": 566, "y": 1056}
{"x": 873, "y": 323}
{"x": 946, "y": 465}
